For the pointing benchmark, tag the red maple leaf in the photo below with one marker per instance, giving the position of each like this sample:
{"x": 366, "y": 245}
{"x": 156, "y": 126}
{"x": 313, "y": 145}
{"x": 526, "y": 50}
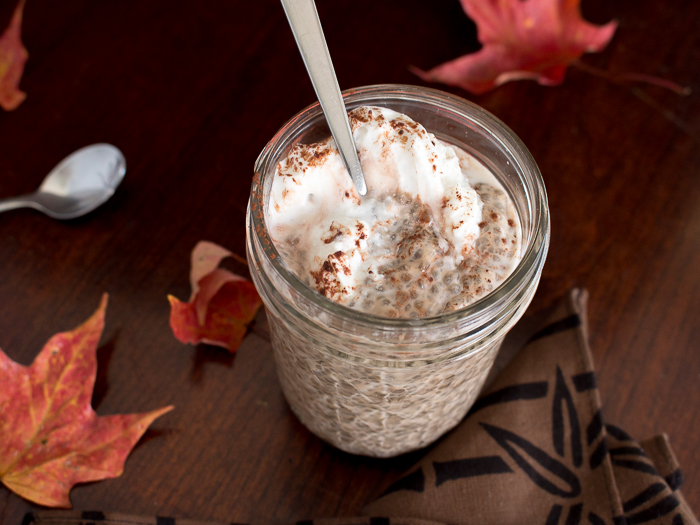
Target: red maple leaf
{"x": 50, "y": 437}
{"x": 221, "y": 306}
{"x": 522, "y": 39}
{"x": 13, "y": 55}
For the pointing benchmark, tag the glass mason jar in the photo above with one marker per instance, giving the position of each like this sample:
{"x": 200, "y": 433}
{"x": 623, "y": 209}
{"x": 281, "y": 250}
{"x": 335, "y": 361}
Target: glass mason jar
{"x": 378, "y": 386}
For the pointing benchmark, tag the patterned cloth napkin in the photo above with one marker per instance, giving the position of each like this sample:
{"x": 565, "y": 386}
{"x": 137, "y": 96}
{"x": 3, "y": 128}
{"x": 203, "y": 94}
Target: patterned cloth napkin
{"x": 533, "y": 449}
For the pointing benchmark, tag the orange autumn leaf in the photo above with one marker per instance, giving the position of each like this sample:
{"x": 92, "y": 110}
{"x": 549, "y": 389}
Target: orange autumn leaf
{"x": 13, "y": 55}
{"x": 221, "y": 306}
{"x": 50, "y": 437}
{"x": 522, "y": 39}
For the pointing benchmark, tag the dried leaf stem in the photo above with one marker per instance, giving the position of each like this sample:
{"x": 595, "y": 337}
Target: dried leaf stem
{"x": 626, "y": 78}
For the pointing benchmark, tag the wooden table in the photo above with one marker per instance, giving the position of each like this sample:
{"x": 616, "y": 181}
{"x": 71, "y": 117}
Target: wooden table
{"x": 191, "y": 92}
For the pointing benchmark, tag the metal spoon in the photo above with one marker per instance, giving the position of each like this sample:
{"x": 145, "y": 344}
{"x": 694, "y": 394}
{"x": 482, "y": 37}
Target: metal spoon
{"x": 303, "y": 18}
{"x": 77, "y": 185}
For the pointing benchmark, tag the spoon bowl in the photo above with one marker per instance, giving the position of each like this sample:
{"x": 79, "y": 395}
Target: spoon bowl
{"x": 77, "y": 185}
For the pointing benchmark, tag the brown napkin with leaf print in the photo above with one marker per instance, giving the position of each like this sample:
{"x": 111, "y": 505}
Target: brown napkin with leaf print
{"x": 533, "y": 449}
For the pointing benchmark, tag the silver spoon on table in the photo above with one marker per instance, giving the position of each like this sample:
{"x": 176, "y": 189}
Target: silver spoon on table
{"x": 77, "y": 185}
{"x": 306, "y": 27}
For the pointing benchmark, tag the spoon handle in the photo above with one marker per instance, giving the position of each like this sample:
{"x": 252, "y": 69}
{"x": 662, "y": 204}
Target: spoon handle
{"x": 13, "y": 203}
{"x": 303, "y": 19}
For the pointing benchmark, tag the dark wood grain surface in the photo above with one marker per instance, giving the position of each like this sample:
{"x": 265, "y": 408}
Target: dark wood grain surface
{"x": 191, "y": 92}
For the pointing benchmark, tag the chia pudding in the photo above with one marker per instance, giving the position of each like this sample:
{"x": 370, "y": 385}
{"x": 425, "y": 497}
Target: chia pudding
{"x": 435, "y": 232}
{"x": 387, "y": 311}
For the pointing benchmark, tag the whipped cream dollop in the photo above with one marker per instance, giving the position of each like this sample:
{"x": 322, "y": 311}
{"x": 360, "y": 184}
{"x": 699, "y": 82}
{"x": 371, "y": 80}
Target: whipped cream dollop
{"x": 435, "y": 232}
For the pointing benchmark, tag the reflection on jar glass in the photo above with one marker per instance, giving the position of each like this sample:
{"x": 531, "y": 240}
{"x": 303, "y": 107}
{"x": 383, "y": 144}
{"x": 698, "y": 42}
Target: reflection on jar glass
{"x": 374, "y": 385}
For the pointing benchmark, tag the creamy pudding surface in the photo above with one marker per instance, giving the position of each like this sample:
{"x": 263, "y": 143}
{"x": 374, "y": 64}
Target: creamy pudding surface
{"x": 435, "y": 232}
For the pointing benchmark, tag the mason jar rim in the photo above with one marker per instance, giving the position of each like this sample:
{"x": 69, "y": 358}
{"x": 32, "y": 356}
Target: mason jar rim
{"x": 475, "y": 312}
